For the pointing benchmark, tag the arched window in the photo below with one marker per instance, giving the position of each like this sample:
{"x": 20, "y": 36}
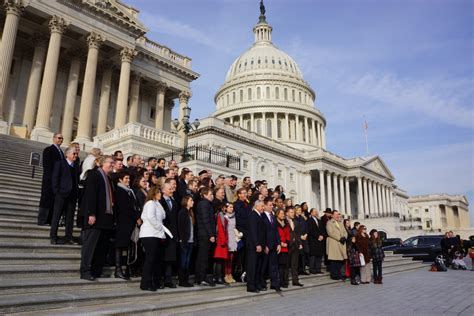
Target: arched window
{"x": 269, "y": 128}
{"x": 258, "y": 124}
{"x": 227, "y": 99}
{"x": 259, "y": 93}
{"x": 249, "y": 94}
{"x": 279, "y": 131}
{"x": 241, "y": 97}
{"x": 233, "y": 97}
{"x": 267, "y": 93}
{"x": 277, "y": 93}
{"x": 285, "y": 94}
{"x": 300, "y": 98}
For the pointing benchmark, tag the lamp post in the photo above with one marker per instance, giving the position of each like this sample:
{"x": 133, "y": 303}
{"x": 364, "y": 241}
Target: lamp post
{"x": 186, "y": 127}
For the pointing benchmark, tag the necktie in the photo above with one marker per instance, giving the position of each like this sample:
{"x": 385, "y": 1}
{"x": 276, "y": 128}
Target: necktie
{"x": 170, "y": 205}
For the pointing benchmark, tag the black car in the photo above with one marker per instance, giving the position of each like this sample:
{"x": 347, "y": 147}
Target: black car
{"x": 391, "y": 241}
{"x": 419, "y": 247}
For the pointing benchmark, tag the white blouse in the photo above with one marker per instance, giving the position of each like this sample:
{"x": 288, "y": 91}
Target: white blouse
{"x": 152, "y": 216}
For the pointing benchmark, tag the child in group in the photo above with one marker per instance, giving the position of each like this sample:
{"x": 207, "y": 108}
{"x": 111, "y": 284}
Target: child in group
{"x": 377, "y": 253}
{"x": 233, "y": 237}
{"x": 221, "y": 252}
{"x": 458, "y": 262}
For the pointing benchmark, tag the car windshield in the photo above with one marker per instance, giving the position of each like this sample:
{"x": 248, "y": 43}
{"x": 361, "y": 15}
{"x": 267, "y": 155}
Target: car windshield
{"x": 411, "y": 241}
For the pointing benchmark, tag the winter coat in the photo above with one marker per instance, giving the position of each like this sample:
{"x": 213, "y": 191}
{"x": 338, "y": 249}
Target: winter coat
{"x": 376, "y": 251}
{"x": 232, "y": 241}
{"x": 126, "y": 213}
{"x": 222, "y": 249}
{"x": 334, "y": 248}
{"x": 316, "y": 247}
{"x": 284, "y": 232}
{"x": 362, "y": 244}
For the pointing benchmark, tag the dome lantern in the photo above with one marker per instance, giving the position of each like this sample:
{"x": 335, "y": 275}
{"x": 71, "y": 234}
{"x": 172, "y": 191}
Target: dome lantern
{"x": 263, "y": 30}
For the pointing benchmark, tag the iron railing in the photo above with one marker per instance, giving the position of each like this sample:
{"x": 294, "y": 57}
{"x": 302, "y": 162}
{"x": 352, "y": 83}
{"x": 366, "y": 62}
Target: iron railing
{"x": 205, "y": 154}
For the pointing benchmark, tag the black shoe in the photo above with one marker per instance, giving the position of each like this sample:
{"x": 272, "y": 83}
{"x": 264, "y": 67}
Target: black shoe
{"x": 253, "y": 291}
{"x": 319, "y": 272}
{"x": 297, "y": 284}
{"x": 68, "y": 242}
{"x": 264, "y": 288}
{"x": 54, "y": 241}
{"x": 171, "y": 285}
{"x": 277, "y": 289}
{"x": 87, "y": 277}
{"x": 77, "y": 240}
{"x": 285, "y": 286}
{"x": 149, "y": 288}
{"x": 305, "y": 273}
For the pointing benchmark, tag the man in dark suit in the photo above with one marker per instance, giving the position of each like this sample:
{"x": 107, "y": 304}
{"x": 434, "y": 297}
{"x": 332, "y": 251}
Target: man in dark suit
{"x": 272, "y": 249}
{"x": 242, "y": 212}
{"x": 171, "y": 208}
{"x": 97, "y": 209}
{"x": 256, "y": 243}
{"x": 160, "y": 168}
{"x": 206, "y": 236}
{"x": 51, "y": 154}
{"x": 316, "y": 240}
{"x": 65, "y": 181}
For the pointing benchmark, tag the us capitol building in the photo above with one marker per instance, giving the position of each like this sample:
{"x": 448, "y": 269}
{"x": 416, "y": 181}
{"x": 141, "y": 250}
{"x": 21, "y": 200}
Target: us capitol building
{"x": 86, "y": 68}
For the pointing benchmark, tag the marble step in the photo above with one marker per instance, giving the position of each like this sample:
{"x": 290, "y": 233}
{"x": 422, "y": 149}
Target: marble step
{"x": 33, "y": 247}
{"x": 28, "y": 227}
{"x": 13, "y": 258}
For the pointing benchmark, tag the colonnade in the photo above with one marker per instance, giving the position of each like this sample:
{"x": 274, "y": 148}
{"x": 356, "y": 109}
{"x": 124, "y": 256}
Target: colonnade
{"x": 374, "y": 199}
{"x": 43, "y": 76}
{"x": 284, "y": 127}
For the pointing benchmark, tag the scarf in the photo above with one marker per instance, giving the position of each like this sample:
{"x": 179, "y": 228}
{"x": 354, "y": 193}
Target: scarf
{"x": 109, "y": 201}
{"x": 127, "y": 189}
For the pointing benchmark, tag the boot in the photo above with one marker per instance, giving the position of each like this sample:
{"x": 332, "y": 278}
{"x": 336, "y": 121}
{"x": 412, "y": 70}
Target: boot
{"x": 380, "y": 280}
{"x": 217, "y": 274}
{"x": 127, "y": 272}
{"x": 186, "y": 279}
{"x": 118, "y": 264}
{"x": 181, "y": 278}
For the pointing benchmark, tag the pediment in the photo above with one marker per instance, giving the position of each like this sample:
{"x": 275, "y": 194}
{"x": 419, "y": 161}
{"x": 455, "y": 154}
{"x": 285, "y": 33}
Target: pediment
{"x": 376, "y": 165}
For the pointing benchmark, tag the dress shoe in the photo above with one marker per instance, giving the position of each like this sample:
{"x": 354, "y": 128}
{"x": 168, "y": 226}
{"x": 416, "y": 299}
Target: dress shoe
{"x": 68, "y": 242}
{"x": 264, "y": 288}
{"x": 87, "y": 277}
{"x": 149, "y": 288}
{"x": 171, "y": 285}
{"x": 277, "y": 289}
{"x": 297, "y": 284}
{"x": 54, "y": 241}
{"x": 285, "y": 286}
{"x": 253, "y": 291}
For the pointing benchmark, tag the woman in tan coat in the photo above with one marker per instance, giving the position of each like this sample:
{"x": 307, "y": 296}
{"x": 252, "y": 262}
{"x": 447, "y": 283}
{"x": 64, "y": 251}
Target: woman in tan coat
{"x": 336, "y": 245}
{"x": 362, "y": 243}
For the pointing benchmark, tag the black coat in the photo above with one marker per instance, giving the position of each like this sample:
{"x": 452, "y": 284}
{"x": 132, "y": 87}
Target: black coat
{"x": 295, "y": 236}
{"x": 242, "y": 212}
{"x": 141, "y": 197}
{"x": 126, "y": 213}
{"x": 316, "y": 247}
{"x": 181, "y": 190}
{"x": 51, "y": 154}
{"x": 256, "y": 233}
{"x": 94, "y": 202}
{"x": 64, "y": 180}
{"x": 171, "y": 222}
{"x": 272, "y": 236}
{"x": 160, "y": 172}
{"x": 205, "y": 220}
{"x": 184, "y": 225}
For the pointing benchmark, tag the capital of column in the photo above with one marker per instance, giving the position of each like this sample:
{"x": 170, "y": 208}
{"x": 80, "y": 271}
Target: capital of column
{"x": 57, "y": 24}
{"x": 184, "y": 96}
{"x": 127, "y": 54}
{"x": 14, "y": 7}
{"x": 170, "y": 104}
{"x": 95, "y": 40}
{"x": 161, "y": 86}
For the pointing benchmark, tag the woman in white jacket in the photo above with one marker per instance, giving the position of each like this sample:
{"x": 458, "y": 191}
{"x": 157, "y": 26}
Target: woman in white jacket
{"x": 152, "y": 235}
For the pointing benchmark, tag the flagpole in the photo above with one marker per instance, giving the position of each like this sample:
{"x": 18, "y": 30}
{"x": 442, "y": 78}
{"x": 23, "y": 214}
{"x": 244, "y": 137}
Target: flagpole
{"x": 366, "y": 131}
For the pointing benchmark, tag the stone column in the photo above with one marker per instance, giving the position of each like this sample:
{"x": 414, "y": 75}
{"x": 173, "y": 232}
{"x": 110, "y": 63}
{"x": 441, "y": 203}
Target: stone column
{"x": 94, "y": 41}
{"x": 286, "y": 130}
{"x": 231, "y": 120}
{"x": 160, "y": 104}
{"x": 264, "y": 124}
{"x": 306, "y": 130}
{"x": 313, "y": 129}
{"x": 105, "y": 88}
{"x": 252, "y": 122}
{"x": 360, "y": 199}
{"x": 376, "y": 199}
{"x": 336, "y": 192}
{"x": 379, "y": 197}
{"x": 371, "y": 197}
{"x": 342, "y": 194}
{"x": 322, "y": 191}
{"x": 34, "y": 81}
{"x": 41, "y": 131}
{"x": 13, "y": 10}
{"x": 320, "y": 141}
{"x": 275, "y": 126}
{"x": 384, "y": 200}
{"x": 167, "y": 117}
{"x": 241, "y": 121}
{"x": 366, "y": 197}
{"x": 323, "y": 137}
{"x": 183, "y": 103}
{"x": 134, "y": 98}
{"x": 126, "y": 56}
{"x": 391, "y": 197}
{"x": 297, "y": 128}
{"x": 348, "y": 197}
{"x": 328, "y": 180}
{"x": 70, "y": 101}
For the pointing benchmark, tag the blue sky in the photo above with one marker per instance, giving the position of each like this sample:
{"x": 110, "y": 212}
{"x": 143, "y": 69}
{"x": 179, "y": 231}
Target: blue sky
{"x": 406, "y": 66}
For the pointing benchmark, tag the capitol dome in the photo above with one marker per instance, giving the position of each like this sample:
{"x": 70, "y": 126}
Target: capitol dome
{"x": 264, "y": 92}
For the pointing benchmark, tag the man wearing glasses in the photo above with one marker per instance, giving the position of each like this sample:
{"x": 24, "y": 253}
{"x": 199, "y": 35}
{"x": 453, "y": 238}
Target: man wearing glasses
{"x": 51, "y": 154}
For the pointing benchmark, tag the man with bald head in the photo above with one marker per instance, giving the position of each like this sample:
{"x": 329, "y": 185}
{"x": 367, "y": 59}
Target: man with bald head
{"x": 51, "y": 154}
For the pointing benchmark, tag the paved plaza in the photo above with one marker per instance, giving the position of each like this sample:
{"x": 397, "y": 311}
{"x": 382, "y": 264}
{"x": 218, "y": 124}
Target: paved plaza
{"x": 413, "y": 293}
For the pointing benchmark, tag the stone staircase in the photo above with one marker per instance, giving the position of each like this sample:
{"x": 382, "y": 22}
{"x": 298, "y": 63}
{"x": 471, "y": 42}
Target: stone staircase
{"x": 37, "y": 278}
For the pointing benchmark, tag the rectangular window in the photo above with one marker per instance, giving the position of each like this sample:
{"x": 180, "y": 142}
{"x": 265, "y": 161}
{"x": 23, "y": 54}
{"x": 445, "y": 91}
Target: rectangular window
{"x": 280, "y": 174}
{"x": 152, "y": 113}
{"x": 292, "y": 177}
{"x": 245, "y": 164}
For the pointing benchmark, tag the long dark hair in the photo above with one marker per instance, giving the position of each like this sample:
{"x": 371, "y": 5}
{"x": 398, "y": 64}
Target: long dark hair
{"x": 184, "y": 204}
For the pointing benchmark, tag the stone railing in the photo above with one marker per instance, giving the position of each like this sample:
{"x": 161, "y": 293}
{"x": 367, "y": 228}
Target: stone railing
{"x": 137, "y": 130}
{"x": 164, "y": 51}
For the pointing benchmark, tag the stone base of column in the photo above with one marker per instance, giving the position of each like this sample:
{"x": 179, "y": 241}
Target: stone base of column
{"x": 3, "y": 127}
{"x": 41, "y": 134}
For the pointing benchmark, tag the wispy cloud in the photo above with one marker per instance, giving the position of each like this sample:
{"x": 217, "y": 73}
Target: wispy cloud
{"x": 161, "y": 24}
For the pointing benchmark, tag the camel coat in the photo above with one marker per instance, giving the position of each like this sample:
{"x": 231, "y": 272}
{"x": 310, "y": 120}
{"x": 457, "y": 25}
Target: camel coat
{"x": 334, "y": 249}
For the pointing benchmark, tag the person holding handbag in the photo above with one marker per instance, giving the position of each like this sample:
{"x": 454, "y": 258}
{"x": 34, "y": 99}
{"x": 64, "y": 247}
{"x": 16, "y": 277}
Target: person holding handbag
{"x": 362, "y": 244}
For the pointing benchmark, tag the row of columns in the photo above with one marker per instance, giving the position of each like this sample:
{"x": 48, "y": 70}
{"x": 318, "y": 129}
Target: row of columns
{"x": 374, "y": 199}
{"x": 334, "y": 192}
{"x": 304, "y": 129}
{"x": 41, "y": 90}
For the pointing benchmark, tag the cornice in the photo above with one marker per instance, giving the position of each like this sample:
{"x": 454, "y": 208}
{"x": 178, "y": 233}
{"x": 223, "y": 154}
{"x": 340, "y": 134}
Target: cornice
{"x": 171, "y": 67}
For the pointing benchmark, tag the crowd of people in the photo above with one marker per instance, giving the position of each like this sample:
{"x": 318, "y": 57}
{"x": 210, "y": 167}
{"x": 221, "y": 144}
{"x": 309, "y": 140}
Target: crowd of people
{"x": 155, "y": 220}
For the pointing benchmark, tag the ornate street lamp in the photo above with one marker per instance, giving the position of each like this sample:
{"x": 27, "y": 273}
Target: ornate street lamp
{"x": 186, "y": 127}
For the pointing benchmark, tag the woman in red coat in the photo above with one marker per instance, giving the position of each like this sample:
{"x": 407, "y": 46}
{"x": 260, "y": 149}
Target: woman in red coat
{"x": 284, "y": 232}
{"x": 221, "y": 253}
